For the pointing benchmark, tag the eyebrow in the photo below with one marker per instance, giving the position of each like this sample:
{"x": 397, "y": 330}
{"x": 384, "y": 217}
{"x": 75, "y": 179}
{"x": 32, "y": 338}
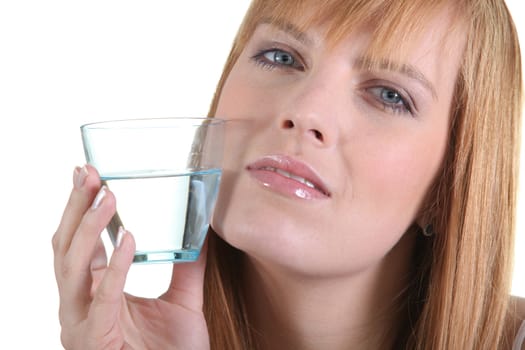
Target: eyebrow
{"x": 362, "y": 63}
{"x": 290, "y": 29}
{"x": 405, "y": 69}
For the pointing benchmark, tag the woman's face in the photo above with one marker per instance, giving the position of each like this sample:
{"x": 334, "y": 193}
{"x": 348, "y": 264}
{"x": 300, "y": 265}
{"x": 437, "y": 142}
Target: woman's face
{"x": 327, "y": 163}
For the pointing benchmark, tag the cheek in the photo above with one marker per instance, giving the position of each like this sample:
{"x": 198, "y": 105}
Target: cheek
{"x": 224, "y": 200}
{"x": 236, "y": 104}
{"x": 397, "y": 178}
{"x": 241, "y": 97}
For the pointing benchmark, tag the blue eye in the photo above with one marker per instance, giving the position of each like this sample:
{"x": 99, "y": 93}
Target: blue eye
{"x": 280, "y": 57}
{"x": 391, "y": 96}
{"x": 276, "y": 58}
{"x": 390, "y": 99}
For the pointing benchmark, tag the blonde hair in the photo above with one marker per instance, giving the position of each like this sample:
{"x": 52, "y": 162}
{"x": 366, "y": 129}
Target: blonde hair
{"x": 459, "y": 297}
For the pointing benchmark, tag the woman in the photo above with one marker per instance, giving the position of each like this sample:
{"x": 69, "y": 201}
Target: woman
{"x": 368, "y": 192}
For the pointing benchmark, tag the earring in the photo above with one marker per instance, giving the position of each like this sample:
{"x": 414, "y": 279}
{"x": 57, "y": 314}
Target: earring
{"x": 428, "y": 231}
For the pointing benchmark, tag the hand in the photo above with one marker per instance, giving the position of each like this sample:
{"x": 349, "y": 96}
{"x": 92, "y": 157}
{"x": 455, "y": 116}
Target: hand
{"x": 95, "y": 313}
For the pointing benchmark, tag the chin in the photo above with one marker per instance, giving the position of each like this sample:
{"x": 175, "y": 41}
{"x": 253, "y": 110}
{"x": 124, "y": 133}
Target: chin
{"x": 279, "y": 244}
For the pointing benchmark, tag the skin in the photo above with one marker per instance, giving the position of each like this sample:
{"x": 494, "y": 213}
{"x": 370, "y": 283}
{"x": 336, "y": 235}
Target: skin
{"x": 323, "y": 272}
{"x": 94, "y": 312}
{"x": 328, "y": 269}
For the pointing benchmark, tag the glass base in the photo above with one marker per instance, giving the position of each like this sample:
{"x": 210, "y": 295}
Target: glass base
{"x": 166, "y": 256}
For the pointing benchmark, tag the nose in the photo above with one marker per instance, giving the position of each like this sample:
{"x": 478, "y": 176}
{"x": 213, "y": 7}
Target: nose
{"x": 311, "y": 114}
{"x": 313, "y": 133}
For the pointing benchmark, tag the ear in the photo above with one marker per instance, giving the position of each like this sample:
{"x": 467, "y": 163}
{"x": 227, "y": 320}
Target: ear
{"x": 426, "y": 224}
{"x": 426, "y": 215}
{"x": 424, "y": 218}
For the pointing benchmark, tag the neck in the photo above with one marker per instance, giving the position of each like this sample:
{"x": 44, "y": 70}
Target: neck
{"x": 356, "y": 311}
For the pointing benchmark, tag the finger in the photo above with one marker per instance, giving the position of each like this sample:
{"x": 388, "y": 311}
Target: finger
{"x": 98, "y": 265}
{"x": 87, "y": 236}
{"x": 75, "y": 272}
{"x": 187, "y": 282}
{"x": 86, "y": 185}
{"x": 107, "y": 301}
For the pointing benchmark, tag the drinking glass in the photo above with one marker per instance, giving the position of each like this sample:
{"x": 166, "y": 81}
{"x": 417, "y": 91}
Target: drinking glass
{"x": 165, "y": 174}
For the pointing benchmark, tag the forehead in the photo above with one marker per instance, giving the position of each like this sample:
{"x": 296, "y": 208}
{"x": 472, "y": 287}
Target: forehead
{"x": 433, "y": 56}
{"x": 442, "y": 35}
{"x": 394, "y": 25}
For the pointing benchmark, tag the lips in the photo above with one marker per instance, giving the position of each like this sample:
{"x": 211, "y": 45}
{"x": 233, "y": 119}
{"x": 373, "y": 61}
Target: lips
{"x": 288, "y": 176}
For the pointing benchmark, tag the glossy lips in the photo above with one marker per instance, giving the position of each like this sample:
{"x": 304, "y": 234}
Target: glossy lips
{"x": 288, "y": 176}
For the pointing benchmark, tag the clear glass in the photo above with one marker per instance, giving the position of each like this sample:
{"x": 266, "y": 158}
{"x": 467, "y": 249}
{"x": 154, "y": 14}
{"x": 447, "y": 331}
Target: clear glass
{"x": 165, "y": 174}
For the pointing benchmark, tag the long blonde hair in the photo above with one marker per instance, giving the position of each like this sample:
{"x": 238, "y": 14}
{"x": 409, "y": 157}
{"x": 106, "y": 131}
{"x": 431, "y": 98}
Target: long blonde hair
{"x": 459, "y": 298}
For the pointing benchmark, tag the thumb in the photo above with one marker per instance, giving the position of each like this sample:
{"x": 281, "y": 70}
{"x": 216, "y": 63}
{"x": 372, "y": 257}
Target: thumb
{"x": 187, "y": 282}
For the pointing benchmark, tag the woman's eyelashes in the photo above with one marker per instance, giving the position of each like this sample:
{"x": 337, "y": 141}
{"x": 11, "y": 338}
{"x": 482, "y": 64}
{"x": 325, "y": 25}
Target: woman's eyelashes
{"x": 390, "y": 100}
{"x": 278, "y": 58}
{"x": 382, "y": 96}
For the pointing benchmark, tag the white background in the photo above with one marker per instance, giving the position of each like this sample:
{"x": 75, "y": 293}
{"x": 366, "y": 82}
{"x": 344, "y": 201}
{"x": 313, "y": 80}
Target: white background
{"x": 65, "y": 63}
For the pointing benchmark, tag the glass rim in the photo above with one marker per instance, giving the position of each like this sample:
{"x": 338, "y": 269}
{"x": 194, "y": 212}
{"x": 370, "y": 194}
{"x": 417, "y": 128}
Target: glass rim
{"x": 165, "y": 122}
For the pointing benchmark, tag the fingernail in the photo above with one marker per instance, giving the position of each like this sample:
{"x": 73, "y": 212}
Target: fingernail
{"x": 80, "y": 176}
{"x": 98, "y": 199}
{"x": 120, "y": 235}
